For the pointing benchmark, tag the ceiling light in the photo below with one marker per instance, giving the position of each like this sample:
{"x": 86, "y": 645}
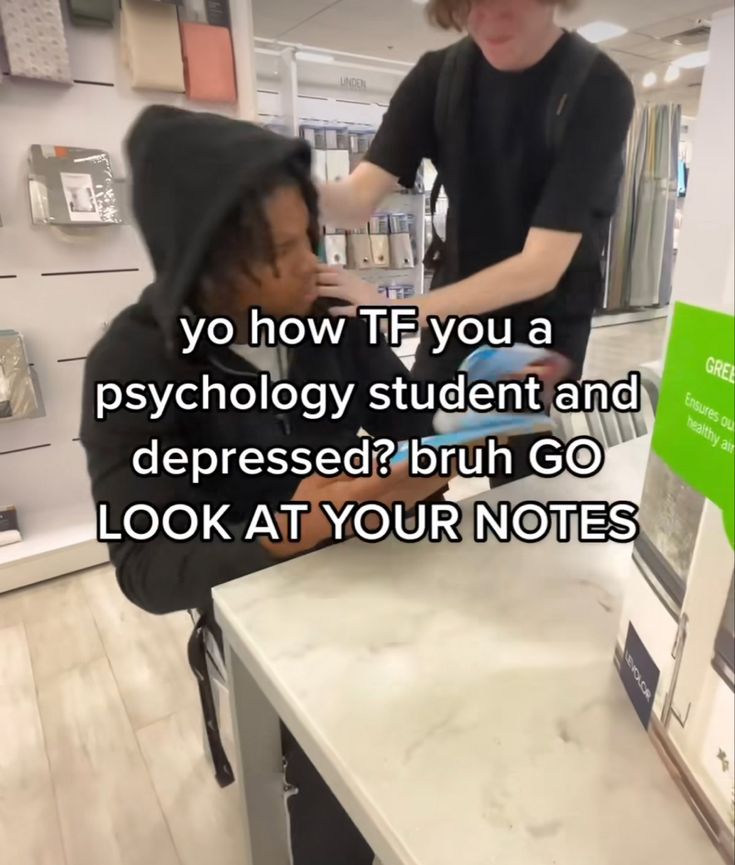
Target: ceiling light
{"x": 693, "y": 61}
{"x": 601, "y": 31}
{"x": 673, "y": 73}
{"x": 650, "y": 79}
{"x": 312, "y": 57}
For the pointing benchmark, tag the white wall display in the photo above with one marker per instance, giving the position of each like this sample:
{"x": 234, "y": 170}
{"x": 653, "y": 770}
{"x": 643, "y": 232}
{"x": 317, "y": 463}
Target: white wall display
{"x": 61, "y": 291}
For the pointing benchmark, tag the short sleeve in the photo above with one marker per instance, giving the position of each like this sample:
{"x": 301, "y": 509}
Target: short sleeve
{"x": 581, "y": 185}
{"x": 406, "y": 135}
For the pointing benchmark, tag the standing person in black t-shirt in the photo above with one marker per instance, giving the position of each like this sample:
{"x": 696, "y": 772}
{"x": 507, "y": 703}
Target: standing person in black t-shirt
{"x": 529, "y": 219}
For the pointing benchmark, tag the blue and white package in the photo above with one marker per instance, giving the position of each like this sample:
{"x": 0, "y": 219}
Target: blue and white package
{"x": 487, "y": 364}
{"x": 502, "y": 426}
{"x": 494, "y": 364}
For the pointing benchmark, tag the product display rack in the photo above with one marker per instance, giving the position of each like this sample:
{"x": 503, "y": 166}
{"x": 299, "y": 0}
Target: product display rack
{"x": 305, "y": 89}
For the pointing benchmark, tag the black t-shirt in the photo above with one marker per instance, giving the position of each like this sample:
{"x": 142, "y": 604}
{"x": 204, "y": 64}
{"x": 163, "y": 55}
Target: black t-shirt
{"x": 513, "y": 181}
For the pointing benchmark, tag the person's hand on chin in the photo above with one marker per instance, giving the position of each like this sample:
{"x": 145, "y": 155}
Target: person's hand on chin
{"x": 337, "y": 283}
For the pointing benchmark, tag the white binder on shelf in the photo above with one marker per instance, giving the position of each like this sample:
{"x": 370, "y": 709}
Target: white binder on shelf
{"x": 359, "y": 250}
{"x": 401, "y": 248}
{"x": 335, "y": 249}
{"x": 338, "y": 165}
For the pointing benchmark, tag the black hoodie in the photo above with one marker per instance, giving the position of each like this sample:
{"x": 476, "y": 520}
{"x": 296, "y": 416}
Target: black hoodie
{"x": 189, "y": 170}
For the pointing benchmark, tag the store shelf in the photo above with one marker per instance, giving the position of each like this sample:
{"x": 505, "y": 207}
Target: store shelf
{"x": 53, "y": 544}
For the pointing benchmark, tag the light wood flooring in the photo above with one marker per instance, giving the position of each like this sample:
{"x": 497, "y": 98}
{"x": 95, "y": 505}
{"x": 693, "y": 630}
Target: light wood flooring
{"x": 101, "y": 756}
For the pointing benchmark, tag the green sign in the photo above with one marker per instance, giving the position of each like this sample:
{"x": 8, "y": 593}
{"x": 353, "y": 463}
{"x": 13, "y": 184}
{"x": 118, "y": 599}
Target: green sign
{"x": 696, "y": 410}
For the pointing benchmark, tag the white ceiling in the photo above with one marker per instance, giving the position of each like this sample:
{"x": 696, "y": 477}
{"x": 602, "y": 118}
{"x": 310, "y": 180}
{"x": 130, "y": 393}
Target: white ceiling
{"x": 397, "y": 29}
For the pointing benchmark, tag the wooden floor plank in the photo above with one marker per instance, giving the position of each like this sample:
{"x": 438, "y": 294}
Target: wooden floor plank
{"x": 41, "y": 601}
{"x": 108, "y": 808}
{"x": 29, "y": 825}
{"x": 205, "y": 820}
{"x": 147, "y": 653}
{"x": 63, "y": 635}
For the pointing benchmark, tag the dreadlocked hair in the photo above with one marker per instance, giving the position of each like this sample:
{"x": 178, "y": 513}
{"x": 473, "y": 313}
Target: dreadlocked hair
{"x": 245, "y": 238}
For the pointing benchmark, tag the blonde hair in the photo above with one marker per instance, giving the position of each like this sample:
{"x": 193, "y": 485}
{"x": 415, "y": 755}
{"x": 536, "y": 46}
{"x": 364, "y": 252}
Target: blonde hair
{"x": 452, "y": 14}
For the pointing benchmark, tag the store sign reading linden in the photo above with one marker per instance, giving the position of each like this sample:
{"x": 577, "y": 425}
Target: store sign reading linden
{"x": 350, "y": 83}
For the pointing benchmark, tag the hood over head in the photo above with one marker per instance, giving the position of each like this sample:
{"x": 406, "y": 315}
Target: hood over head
{"x": 189, "y": 171}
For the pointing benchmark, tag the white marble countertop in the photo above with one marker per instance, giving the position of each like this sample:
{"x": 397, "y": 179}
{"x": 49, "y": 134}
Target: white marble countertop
{"x": 461, "y": 700}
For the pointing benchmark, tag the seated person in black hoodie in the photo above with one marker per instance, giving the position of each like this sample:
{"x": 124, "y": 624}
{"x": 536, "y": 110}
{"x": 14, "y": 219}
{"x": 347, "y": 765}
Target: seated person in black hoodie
{"x": 229, "y": 214}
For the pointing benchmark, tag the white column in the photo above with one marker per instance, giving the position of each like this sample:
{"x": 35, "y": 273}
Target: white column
{"x": 289, "y": 89}
{"x": 241, "y": 20}
{"x": 706, "y": 245}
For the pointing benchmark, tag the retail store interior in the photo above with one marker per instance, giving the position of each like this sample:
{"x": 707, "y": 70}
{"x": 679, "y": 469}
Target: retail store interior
{"x": 105, "y": 757}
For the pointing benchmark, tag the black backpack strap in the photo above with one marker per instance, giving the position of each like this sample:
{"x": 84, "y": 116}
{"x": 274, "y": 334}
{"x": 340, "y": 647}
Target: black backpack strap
{"x": 435, "y": 250}
{"x": 197, "y": 652}
{"x": 450, "y": 113}
{"x": 570, "y": 79}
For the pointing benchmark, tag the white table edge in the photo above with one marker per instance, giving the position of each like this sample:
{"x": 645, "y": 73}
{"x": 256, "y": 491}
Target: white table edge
{"x": 362, "y": 810}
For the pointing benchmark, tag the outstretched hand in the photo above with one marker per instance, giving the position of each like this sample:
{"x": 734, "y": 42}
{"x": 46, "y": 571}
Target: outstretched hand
{"x": 337, "y": 283}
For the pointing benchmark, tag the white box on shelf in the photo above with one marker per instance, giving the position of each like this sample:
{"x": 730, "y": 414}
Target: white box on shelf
{"x": 338, "y": 165}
